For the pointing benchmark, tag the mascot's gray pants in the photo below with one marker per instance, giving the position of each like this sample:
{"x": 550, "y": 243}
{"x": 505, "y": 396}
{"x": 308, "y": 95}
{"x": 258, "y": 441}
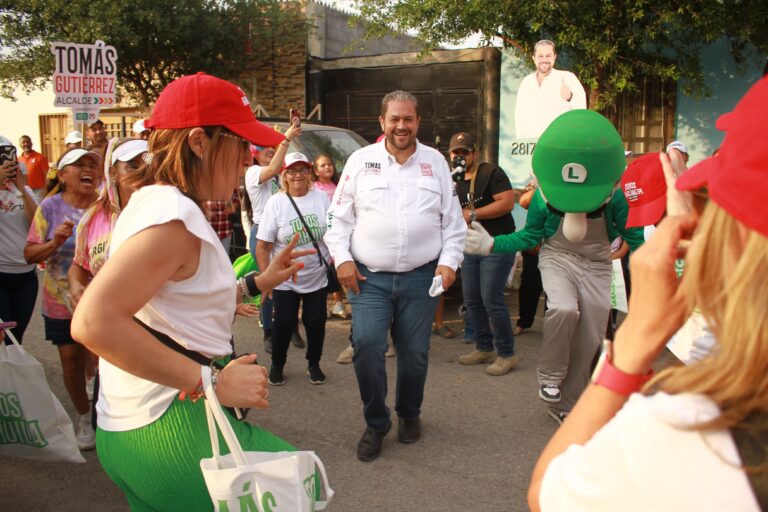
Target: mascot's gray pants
{"x": 578, "y": 287}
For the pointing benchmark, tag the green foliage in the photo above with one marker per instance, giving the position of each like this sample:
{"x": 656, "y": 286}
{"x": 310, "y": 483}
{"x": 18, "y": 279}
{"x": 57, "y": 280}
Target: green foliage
{"x": 608, "y": 43}
{"x": 156, "y": 41}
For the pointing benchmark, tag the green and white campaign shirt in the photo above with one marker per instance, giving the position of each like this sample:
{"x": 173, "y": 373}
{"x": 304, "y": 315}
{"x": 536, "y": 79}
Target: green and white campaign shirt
{"x": 279, "y": 222}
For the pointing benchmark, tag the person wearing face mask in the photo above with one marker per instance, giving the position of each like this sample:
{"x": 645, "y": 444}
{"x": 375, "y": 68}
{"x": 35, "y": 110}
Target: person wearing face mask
{"x": 51, "y": 239}
{"x": 546, "y": 93}
{"x": 486, "y": 195}
{"x": 262, "y": 182}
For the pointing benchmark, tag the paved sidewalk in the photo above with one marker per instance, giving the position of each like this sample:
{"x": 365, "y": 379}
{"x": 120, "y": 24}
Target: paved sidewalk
{"x": 481, "y": 434}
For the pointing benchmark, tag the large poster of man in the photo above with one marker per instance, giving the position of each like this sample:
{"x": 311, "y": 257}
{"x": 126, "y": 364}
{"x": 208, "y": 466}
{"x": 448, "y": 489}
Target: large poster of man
{"x": 530, "y": 101}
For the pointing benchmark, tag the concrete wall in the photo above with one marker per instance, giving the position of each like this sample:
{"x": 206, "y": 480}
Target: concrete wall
{"x": 19, "y": 117}
{"x": 333, "y": 38}
{"x": 695, "y": 124}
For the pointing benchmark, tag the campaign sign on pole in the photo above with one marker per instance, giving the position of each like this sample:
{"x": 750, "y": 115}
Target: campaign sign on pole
{"x": 84, "y": 78}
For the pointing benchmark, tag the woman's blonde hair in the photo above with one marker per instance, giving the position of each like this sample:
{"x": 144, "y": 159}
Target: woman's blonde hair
{"x": 172, "y": 162}
{"x": 725, "y": 277}
{"x": 284, "y": 181}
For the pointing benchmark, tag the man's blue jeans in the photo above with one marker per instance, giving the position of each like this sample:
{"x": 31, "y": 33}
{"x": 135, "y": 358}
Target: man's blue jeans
{"x": 402, "y": 301}
{"x": 482, "y": 284}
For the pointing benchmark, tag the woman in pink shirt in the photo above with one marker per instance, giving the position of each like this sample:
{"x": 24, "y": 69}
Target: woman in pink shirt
{"x": 95, "y": 228}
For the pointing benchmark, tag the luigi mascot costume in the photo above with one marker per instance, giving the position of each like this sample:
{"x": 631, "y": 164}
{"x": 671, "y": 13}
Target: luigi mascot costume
{"x": 575, "y": 214}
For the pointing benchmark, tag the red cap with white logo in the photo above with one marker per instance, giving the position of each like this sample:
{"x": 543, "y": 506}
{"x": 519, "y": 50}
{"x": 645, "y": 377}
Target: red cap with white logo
{"x": 645, "y": 188}
{"x": 204, "y": 100}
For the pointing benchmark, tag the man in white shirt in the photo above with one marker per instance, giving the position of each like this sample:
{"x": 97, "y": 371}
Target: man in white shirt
{"x": 546, "y": 93}
{"x": 394, "y": 226}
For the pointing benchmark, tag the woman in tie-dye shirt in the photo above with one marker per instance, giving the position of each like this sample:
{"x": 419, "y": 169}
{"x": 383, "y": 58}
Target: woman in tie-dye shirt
{"x": 51, "y": 239}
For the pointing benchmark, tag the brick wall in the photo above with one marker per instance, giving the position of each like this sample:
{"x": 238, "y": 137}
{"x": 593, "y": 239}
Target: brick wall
{"x": 275, "y": 77}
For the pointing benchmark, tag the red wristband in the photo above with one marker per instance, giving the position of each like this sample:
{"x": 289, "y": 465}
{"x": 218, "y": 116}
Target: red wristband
{"x": 194, "y": 395}
{"x": 612, "y": 378}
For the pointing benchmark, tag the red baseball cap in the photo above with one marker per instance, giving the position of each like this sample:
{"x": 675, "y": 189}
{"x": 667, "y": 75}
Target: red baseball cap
{"x": 737, "y": 176}
{"x": 204, "y": 100}
{"x": 645, "y": 188}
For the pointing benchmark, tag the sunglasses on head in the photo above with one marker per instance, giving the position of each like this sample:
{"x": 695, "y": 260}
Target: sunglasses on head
{"x": 245, "y": 143}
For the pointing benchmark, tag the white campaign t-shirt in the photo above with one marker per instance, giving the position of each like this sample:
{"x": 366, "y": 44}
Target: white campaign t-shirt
{"x": 14, "y": 228}
{"x": 280, "y": 222}
{"x": 645, "y": 459}
{"x": 197, "y": 312}
{"x": 259, "y": 193}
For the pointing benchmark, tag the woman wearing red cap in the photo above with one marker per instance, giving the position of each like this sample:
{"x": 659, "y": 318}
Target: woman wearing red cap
{"x": 168, "y": 271}
{"x": 297, "y": 209}
{"x": 695, "y": 437}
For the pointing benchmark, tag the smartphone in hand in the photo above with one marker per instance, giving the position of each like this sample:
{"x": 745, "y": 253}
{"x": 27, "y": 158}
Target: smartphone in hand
{"x": 8, "y": 154}
{"x": 294, "y": 117}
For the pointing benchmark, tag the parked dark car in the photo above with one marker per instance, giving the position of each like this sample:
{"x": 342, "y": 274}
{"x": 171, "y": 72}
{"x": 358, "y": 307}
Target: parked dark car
{"x": 315, "y": 139}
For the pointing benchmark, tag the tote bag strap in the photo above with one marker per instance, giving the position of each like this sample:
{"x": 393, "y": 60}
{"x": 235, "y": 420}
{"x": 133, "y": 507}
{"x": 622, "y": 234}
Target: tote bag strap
{"x": 7, "y": 328}
{"x": 212, "y": 404}
{"x": 321, "y": 504}
{"x": 309, "y": 233}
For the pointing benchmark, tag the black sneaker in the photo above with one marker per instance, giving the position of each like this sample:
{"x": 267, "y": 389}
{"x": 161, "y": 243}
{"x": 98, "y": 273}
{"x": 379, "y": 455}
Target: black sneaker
{"x": 297, "y": 340}
{"x": 550, "y": 393}
{"x": 316, "y": 375}
{"x": 268, "y": 341}
{"x": 559, "y": 417}
{"x": 276, "y": 376}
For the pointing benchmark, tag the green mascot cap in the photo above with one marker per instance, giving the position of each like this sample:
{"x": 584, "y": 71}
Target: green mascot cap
{"x": 577, "y": 162}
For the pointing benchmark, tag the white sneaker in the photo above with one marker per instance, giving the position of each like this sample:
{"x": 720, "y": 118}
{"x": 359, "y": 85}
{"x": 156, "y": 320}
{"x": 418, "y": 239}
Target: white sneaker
{"x": 338, "y": 310}
{"x": 89, "y": 387}
{"x": 86, "y": 437}
{"x": 346, "y": 355}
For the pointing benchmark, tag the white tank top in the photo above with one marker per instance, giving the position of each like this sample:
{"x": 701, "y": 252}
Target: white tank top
{"x": 196, "y": 312}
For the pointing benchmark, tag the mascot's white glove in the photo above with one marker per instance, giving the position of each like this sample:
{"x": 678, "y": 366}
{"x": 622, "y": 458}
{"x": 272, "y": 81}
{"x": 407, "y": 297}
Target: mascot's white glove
{"x": 478, "y": 240}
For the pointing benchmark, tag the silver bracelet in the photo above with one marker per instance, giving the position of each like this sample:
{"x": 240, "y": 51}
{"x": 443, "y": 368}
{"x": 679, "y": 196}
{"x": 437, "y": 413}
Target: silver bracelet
{"x": 243, "y": 288}
{"x": 215, "y": 376}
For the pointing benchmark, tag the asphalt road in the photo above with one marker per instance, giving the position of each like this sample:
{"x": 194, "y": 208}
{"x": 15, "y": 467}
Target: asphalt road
{"x": 481, "y": 434}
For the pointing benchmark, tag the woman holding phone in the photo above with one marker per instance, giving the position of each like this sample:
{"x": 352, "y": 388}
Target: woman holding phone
{"x": 18, "y": 281}
{"x": 51, "y": 240}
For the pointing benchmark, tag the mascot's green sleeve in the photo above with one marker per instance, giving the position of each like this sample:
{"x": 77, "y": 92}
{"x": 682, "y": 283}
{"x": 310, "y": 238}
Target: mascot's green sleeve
{"x": 542, "y": 223}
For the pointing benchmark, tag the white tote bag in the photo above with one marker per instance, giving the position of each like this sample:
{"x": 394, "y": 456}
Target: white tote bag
{"x": 33, "y": 424}
{"x": 257, "y": 481}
